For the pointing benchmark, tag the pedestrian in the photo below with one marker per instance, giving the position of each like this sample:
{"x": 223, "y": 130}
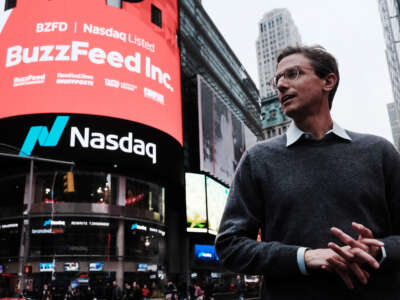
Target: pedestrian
{"x": 198, "y": 292}
{"x": 145, "y": 292}
{"x": 69, "y": 295}
{"x": 310, "y": 189}
{"x": 116, "y": 291}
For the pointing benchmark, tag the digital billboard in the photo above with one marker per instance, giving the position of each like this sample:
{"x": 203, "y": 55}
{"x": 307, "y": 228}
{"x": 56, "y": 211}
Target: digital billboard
{"x": 217, "y": 195}
{"x": 71, "y": 266}
{"x": 96, "y": 267}
{"x": 196, "y": 212}
{"x": 85, "y": 57}
{"x": 47, "y": 267}
{"x": 222, "y": 136}
{"x": 205, "y": 252}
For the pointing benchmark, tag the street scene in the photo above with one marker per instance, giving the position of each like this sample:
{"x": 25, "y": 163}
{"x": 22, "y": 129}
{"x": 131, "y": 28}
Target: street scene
{"x": 199, "y": 149}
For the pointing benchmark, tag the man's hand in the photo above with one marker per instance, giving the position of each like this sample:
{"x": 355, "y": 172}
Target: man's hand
{"x": 327, "y": 259}
{"x": 357, "y": 253}
{"x": 361, "y": 251}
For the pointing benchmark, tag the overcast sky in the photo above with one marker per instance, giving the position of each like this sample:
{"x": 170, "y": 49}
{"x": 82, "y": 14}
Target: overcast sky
{"x": 350, "y": 29}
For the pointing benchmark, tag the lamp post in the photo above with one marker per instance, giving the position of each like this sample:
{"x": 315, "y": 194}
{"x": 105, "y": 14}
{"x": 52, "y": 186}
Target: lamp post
{"x": 25, "y": 237}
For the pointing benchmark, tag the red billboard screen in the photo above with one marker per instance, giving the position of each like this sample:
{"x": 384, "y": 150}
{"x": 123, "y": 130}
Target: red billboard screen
{"x": 84, "y": 57}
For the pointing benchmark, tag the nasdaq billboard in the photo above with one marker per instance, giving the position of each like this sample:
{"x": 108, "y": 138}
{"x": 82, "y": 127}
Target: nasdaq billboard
{"x": 84, "y": 57}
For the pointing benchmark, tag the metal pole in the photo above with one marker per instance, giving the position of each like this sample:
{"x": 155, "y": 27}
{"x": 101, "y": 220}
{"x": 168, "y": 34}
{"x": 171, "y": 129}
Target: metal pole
{"x": 25, "y": 236}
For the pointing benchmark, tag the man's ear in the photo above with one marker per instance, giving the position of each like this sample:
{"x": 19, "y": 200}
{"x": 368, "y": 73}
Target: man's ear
{"x": 330, "y": 82}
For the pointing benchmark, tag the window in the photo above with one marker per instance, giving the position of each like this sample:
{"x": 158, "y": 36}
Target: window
{"x": 10, "y": 4}
{"x": 115, "y": 3}
{"x": 156, "y": 16}
{"x": 98, "y": 188}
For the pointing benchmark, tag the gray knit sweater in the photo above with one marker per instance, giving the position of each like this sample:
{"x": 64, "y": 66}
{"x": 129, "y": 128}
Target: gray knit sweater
{"x": 295, "y": 194}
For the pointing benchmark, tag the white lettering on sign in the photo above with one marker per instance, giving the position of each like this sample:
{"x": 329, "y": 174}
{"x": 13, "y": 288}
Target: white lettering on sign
{"x": 113, "y": 142}
{"x": 51, "y": 26}
{"x": 103, "y": 31}
{"x": 47, "y": 53}
{"x": 12, "y": 225}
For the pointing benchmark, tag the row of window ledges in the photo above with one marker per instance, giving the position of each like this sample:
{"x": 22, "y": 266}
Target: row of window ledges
{"x": 156, "y": 15}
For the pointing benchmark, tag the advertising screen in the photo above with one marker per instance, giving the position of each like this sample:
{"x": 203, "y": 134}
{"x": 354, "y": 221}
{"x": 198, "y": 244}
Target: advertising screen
{"x": 217, "y": 195}
{"x": 96, "y": 266}
{"x": 205, "y": 252}
{"x": 196, "y": 202}
{"x": 142, "y": 267}
{"x": 222, "y": 138}
{"x": 85, "y": 57}
{"x": 71, "y": 266}
{"x": 47, "y": 267}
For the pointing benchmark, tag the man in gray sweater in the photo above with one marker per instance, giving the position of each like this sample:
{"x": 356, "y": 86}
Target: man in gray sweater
{"x": 327, "y": 200}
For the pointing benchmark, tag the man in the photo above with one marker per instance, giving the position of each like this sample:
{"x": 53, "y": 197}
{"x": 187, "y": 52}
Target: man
{"x": 311, "y": 190}
{"x": 116, "y": 291}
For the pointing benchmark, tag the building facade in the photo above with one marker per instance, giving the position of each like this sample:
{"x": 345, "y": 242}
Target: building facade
{"x": 394, "y": 124}
{"x": 92, "y": 165}
{"x": 274, "y": 121}
{"x": 276, "y": 30}
{"x": 389, "y": 12}
{"x": 221, "y": 118}
{"x": 102, "y": 120}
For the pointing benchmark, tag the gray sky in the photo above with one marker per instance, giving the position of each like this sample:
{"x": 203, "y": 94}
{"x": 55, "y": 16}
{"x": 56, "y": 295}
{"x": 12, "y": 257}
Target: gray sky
{"x": 350, "y": 29}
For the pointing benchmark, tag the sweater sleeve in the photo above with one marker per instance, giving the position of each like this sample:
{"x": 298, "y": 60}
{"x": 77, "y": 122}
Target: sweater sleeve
{"x": 391, "y": 163}
{"x": 236, "y": 243}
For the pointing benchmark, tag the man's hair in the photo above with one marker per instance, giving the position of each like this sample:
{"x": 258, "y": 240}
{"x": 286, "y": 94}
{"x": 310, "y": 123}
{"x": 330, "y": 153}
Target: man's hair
{"x": 321, "y": 60}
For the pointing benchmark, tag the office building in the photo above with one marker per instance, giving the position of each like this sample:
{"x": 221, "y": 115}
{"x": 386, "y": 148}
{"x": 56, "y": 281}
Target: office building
{"x": 276, "y": 30}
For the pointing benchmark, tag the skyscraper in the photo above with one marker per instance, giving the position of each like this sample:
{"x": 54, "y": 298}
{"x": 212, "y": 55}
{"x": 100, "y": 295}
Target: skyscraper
{"x": 390, "y": 16}
{"x": 394, "y": 124}
{"x": 276, "y": 31}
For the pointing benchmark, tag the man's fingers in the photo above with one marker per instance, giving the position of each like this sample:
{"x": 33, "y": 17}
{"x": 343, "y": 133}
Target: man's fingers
{"x": 336, "y": 263}
{"x": 372, "y": 242}
{"x": 345, "y": 238}
{"x": 364, "y": 257}
{"x": 361, "y": 229}
{"x": 358, "y": 272}
{"x": 343, "y": 252}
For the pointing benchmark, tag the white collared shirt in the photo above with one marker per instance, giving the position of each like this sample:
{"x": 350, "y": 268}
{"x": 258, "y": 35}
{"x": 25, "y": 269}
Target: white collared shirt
{"x": 294, "y": 133}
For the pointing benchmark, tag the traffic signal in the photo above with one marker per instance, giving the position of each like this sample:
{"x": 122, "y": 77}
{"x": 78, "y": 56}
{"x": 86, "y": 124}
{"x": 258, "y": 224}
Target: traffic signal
{"x": 28, "y": 270}
{"x": 69, "y": 186}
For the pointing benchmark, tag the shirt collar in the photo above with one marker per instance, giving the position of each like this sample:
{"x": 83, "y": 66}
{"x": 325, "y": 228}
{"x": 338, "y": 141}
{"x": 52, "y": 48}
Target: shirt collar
{"x": 294, "y": 133}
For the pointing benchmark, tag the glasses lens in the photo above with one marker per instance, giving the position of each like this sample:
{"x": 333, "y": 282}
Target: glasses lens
{"x": 292, "y": 73}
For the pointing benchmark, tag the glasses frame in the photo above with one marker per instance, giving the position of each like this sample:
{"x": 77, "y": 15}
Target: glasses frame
{"x": 286, "y": 75}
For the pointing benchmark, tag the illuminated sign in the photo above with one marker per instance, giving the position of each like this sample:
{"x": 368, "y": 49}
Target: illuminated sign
{"x": 86, "y": 139}
{"x": 196, "y": 214}
{"x": 96, "y": 267}
{"x": 142, "y": 267}
{"x": 205, "y": 252}
{"x": 8, "y": 226}
{"x": 90, "y": 223}
{"x": 47, "y": 267}
{"x": 51, "y": 222}
{"x": 71, "y": 266}
{"x": 217, "y": 195}
{"x": 64, "y": 59}
{"x": 136, "y": 226}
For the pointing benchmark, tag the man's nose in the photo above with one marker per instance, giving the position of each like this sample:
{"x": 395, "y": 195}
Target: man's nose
{"x": 282, "y": 84}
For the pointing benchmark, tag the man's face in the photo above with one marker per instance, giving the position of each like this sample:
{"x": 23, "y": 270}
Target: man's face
{"x": 301, "y": 96}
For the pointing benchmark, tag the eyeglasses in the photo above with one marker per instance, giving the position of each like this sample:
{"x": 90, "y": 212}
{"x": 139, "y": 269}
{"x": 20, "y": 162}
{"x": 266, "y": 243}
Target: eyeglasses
{"x": 291, "y": 74}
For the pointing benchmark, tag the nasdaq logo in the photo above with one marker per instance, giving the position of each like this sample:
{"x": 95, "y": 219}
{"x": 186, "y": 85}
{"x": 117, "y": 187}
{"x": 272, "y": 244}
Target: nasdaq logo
{"x": 136, "y": 226}
{"x": 42, "y": 135}
{"x": 53, "y": 223}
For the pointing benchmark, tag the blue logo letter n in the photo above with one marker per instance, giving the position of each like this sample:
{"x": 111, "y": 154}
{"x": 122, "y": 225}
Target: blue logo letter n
{"x": 43, "y": 136}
